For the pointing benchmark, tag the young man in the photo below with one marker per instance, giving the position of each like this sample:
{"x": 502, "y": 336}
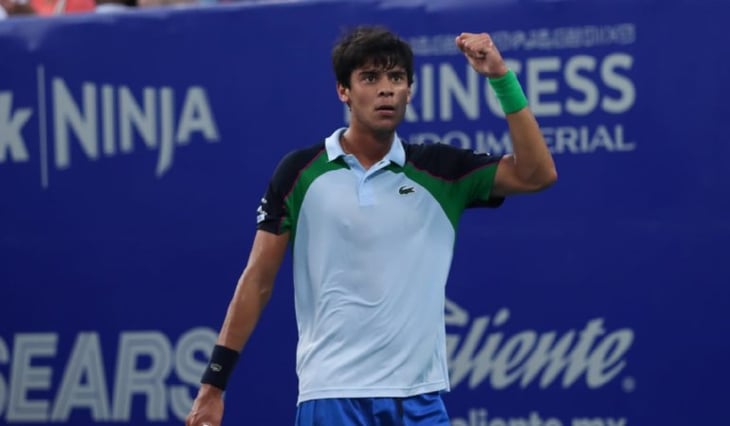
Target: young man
{"x": 372, "y": 224}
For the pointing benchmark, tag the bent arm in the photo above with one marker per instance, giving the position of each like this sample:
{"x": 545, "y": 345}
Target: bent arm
{"x": 530, "y": 168}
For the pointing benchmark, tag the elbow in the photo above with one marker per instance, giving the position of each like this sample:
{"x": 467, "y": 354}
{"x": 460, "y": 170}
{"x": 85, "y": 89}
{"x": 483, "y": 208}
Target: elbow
{"x": 546, "y": 180}
{"x": 552, "y": 177}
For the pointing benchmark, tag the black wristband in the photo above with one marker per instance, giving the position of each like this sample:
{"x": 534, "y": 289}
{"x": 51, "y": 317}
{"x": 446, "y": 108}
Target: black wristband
{"x": 220, "y": 367}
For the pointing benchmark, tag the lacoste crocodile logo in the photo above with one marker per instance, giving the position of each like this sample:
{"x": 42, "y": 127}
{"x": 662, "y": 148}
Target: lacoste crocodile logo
{"x": 403, "y": 190}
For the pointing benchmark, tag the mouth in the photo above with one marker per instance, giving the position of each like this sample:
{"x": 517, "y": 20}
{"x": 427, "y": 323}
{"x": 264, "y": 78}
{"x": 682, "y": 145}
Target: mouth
{"x": 387, "y": 110}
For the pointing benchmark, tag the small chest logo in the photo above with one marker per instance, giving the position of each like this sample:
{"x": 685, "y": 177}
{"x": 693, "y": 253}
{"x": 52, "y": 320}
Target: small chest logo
{"x": 403, "y": 190}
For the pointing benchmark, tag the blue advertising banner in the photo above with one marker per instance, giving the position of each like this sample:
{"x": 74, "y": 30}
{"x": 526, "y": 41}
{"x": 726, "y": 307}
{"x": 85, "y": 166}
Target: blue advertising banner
{"x": 135, "y": 147}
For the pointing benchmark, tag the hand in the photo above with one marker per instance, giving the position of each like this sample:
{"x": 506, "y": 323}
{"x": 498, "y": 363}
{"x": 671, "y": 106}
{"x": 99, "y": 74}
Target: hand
{"x": 482, "y": 54}
{"x": 207, "y": 408}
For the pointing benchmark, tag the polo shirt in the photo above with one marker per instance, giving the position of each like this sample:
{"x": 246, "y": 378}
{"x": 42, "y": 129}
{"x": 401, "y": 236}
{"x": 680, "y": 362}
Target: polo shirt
{"x": 371, "y": 253}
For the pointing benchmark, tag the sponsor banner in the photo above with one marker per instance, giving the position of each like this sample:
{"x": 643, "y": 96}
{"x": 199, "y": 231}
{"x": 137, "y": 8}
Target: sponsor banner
{"x": 134, "y": 150}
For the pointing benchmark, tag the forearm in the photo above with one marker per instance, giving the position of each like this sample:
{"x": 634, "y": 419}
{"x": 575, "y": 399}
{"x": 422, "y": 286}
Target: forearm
{"x": 532, "y": 159}
{"x": 251, "y": 296}
{"x": 531, "y": 168}
{"x": 253, "y": 289}
{"x": 243, "y": 312}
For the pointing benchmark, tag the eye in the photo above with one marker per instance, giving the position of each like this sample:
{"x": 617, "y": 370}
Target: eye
{"x": 369, "y": 77}
{"x": 397, "y": 77}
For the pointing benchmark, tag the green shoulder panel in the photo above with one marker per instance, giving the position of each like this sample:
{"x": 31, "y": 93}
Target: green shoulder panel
{"x": 314, "y": 169}
{"x": 457, "y": 179}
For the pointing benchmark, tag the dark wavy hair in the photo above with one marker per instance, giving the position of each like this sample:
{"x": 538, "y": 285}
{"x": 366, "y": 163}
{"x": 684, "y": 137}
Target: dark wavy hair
{"x": 370, "y": 45}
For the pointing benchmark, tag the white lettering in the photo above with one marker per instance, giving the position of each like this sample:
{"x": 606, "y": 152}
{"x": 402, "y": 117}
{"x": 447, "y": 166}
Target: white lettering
{"x": 537, "y": 86}
{"x": 164, "y": 161}
{"x": 575, "y": 37}
{"x": 577, "y": 140}
{"x": 129, "y": 380}
{"x": 566, "y": 37}
{"x": 582, "y": 84}
{"x": 24, "y": 377}
{"x": 487, "y": 142}
{"x": 427, "y": 96}
{"x": 132, "y": 115}
{"x": 11, "y": 126}
{"x": 560, "y": 140}
{"x": 606, "y": 360}
{"x": 579, "y": 85}
{"x": 481, "y": 417}
{"x": 67, "y": 116}
{"x": 466, "y": 96}
{"x": 85, "y": 361}
{"x": 511, "y": 357}
{"x": 620, "y": 83}
{"x": 145, "y": 361}
{"x": 107, "y": 117}
{"x": 188, "y": 368}
{"x": 151, "y": 119}
{"x": 196, "y": 117}
{"x": 484, "y": 353}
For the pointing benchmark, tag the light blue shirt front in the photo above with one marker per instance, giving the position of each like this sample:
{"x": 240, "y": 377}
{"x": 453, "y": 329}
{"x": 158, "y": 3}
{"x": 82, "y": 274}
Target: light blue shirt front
{"x": 365, "y": 190}
{"x": 370, "y": 268}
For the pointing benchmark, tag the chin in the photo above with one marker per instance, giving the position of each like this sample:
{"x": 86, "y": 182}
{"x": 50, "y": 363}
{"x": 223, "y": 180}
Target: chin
{"x": 384, "y": 129}
{"x": 386, "y": 125}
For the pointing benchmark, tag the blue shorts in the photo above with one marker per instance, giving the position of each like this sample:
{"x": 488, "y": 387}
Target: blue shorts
{"x": 421, "y": 410}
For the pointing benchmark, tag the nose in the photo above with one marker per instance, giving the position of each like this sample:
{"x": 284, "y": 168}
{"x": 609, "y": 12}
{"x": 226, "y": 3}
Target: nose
{"x": 386, "y": 91}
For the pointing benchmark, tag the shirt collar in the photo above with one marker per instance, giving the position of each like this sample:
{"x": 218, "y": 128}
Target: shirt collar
{"x": 397, "y": 153}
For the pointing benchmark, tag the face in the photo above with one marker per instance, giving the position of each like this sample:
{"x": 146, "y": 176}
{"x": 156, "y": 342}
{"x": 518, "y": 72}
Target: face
{"x": 377, "y": 98}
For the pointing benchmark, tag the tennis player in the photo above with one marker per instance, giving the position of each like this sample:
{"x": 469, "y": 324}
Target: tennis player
{"x": 372, "y": 222}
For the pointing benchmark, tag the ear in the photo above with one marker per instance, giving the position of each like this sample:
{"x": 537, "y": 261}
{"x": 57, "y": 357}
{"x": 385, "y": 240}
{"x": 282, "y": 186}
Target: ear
{"x": 410, "y": 92}
{"x": 343, "y": 93}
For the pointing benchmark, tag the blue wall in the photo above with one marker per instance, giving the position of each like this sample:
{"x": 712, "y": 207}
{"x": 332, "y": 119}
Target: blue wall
{"x": 134, "y": 149}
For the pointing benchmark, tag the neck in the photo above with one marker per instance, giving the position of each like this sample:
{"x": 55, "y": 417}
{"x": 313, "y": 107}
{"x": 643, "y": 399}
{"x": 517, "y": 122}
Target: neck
{"x": 367, "y": 147}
